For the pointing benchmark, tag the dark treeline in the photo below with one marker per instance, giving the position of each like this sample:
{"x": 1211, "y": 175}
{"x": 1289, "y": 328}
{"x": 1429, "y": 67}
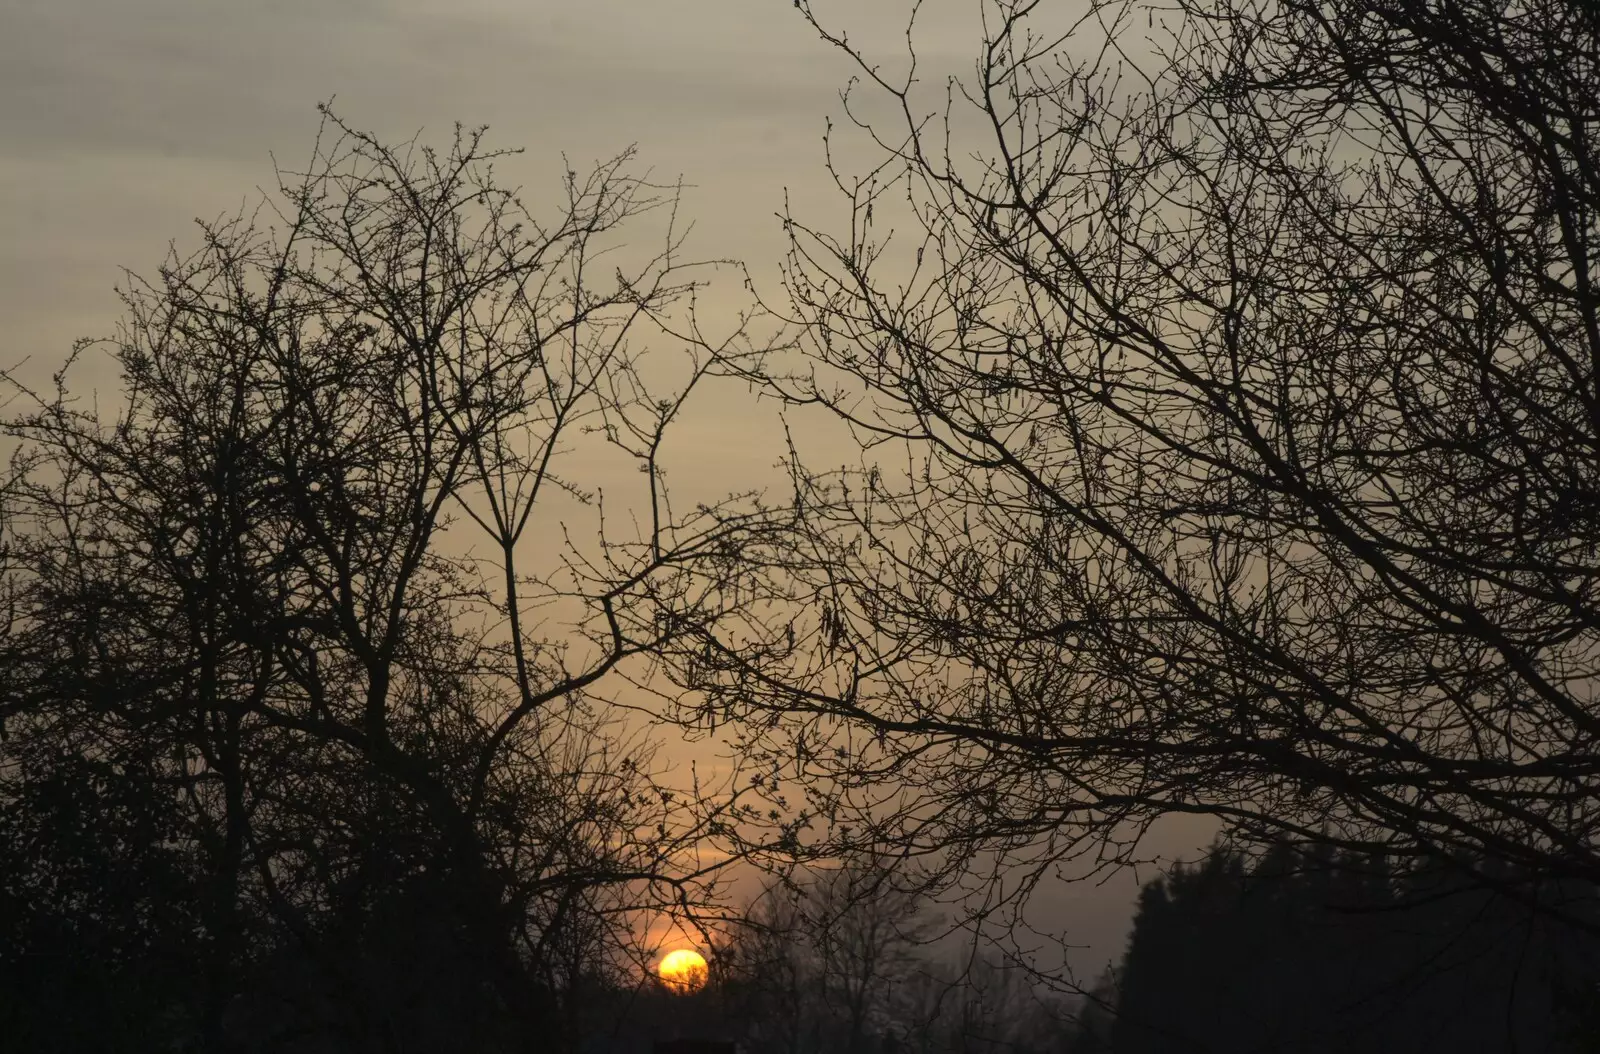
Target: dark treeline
{"x": 1316, "y": 951}
{"x": 1298, "y": 950}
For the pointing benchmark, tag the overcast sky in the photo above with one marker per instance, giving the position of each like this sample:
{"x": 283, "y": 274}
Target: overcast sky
{"x": 122, "y": 120}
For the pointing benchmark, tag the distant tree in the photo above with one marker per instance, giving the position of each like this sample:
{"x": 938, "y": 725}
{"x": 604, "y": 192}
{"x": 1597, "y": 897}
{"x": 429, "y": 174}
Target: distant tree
{"x": 850, "y": 958}
{"x": 766, "y": 966}
{"x": 864, "y": 930}
{"x": 283, "y": 716}
{"x": 993, "y": 1008}
{"x": 1307, "y": 951}
{"x": 829, "y": 960}
{"x": 1091, "y": 1028}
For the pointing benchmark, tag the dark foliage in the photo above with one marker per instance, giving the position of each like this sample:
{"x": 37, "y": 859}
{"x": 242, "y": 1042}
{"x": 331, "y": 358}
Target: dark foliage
{"x": 1311, "y": 951}
{"x": 100, "y": 941}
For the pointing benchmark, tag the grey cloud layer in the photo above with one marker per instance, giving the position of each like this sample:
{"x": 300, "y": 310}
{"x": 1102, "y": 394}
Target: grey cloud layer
{"x": 120, "y": 120}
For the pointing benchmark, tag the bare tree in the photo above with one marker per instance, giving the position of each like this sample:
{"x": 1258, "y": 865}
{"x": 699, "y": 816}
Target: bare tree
{"x": 828, "y": 960}
{"x": 315, "y": 564}
{"x": 1226, "y": 377}
{"x": 864, "y": 930}
{"x": 765, "y": 966}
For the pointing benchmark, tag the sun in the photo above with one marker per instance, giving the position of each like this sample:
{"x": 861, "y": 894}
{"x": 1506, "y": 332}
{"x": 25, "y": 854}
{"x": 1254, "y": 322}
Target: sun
{"x": 683, "y": 970}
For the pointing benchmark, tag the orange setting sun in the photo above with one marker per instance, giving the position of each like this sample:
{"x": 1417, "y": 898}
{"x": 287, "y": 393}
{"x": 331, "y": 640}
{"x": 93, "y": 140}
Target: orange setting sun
{"x": 683, "y": 970}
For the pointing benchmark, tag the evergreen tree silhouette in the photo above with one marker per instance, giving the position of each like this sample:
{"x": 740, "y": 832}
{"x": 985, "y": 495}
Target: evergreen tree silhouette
{"x": 1321, "y": 952}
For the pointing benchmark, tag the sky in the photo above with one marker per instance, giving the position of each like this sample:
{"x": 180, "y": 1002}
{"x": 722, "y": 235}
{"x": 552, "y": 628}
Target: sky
{"x": 121, "y": 121}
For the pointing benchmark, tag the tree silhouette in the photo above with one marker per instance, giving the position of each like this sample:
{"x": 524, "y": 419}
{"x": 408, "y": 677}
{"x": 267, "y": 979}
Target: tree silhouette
{"x": 827, "y": 960}
{"x": 287, "y": 738}
{"x": 1225, "y": 377}
{"x": 1305, "y": 950}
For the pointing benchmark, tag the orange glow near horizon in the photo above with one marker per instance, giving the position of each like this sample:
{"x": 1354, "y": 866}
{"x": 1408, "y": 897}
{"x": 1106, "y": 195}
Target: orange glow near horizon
{"x": 683, "y": 971}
